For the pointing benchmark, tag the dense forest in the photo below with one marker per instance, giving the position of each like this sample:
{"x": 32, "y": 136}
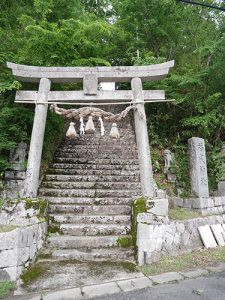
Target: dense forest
{"x": 122, "y": 32}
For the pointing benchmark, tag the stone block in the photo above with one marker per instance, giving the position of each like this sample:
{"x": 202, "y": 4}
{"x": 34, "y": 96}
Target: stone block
{"x": 218, "y": 268}
{"x": 160, "y": 194}
{"x": 68, "y": 294}
{"x": 218, "y": 201}
{"x": 177, "y": 202}
{"x": 23, "y": 237}
{"x": 33, "y": 251}
{"x": 158, "y": 207}
{"x": 12, "y": 273}
{"x": 198, "y": 167}
{"x": 8, "y": 258}
{"x": 134, "y": 284}
{"x": 147, "y": 245}
{"x": 33, "y": 236}
{"x": 141, "y": 257}
{"x": 144, "y": 231}
{"x": 23, "y": 255}
{"x": 203, "y": 203}
{"x": 207, "y": 236}
{"x": 4, "y": 275}
{"x": 221, "y": 188}
{"x": 100, "y": 289}
{"x": 166, "y": 277}
{"x": 9, "y": 240}
{"x": 194, "y": 273}
{"x": 223, "y": 200}
{"x": 217, "y": 230}
{"x": 16, "y": 175}
{"x": 187, "y": 203}
{"x": 145, "y": 218}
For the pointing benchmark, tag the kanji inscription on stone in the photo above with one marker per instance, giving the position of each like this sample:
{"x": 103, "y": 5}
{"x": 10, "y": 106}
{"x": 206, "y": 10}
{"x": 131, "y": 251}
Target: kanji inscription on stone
{"x": 198, "y": 167}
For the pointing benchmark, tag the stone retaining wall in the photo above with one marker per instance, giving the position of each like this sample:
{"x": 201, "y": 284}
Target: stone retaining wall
{"x": 19, "y": 247}
{"x": 155, "y": 239}
{"x": 207, "y": 206}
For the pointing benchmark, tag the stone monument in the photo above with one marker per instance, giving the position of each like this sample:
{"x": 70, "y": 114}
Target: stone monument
{"x": 14, "y": 177}
{"x": 169, "y": 159}
{"x": 198, "y": 167}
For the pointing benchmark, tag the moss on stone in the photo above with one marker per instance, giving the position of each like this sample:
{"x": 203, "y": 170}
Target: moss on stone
{"x": 139, "y": 206}
{"x": 7, "y": 228}
{"x": 125, "y": 241}
{"x": 39, "y": 204}
{"x": 33, "y": 272}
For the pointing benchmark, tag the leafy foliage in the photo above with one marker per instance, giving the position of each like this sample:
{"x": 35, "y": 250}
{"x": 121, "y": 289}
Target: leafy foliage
{"x": 128, "y": 32}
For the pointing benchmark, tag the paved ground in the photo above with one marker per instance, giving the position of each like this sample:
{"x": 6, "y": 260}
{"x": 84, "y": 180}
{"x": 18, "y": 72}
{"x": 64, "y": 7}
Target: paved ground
{"x": 207, "y": 288}
{"x": 184, "y": 285}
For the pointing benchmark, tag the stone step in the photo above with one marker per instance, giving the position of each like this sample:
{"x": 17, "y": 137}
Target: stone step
{"x": 91, "y": 172}
{"x": 122, "y": 142}
{"x": 110, "y": 148}
{"x": 97, "y": 161}
{"x": 114, "y": 254}
{"x": 91, "y": 155}
{"x": 91, "y": 185}
{"x": 94, "y": 229}
{"x": 90, "y": 201}
{"x": 77, "y": 242}
{"x": 82, "y": 166}
{"x": 91, "y": 178}
{"x": 95, "y": 193}
{"x": 91, "y": 219}
{"x": 90, "y": 209}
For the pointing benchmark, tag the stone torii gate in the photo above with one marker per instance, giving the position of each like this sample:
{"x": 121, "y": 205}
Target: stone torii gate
{"x": 90, "y": 76}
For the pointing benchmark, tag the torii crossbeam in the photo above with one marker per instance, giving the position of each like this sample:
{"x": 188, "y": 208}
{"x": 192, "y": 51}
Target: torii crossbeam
{"x": 90, "y": 76}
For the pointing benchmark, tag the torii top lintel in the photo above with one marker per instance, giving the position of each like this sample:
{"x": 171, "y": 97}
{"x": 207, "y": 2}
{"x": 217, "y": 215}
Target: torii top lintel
{"x": 103, "y": 74}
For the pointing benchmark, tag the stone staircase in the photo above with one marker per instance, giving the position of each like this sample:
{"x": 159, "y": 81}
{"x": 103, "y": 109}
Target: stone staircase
{"x": 90, "y": 187}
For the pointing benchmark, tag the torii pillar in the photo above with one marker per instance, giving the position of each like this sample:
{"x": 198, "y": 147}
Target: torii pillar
{"x": 145, "y": 163}
{"x": 36, "y": 144}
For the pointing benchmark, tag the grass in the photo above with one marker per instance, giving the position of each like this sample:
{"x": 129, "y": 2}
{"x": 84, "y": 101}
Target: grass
{"x": 7, "y": 228}
{"x": 34, "y": 272}
{"x": 5, "y": 288}
{"x": 180, "y": 213}
{"x": 201, "y": 258}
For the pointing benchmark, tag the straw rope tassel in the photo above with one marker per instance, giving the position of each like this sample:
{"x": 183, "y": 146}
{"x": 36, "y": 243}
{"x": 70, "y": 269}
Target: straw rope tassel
{"x": 114, "y": 133}
{"x": 102, "y": 126}
{"x": 90, "y": 127}
{"x": 71, "y": 132}
{"x": 81, "y": 126}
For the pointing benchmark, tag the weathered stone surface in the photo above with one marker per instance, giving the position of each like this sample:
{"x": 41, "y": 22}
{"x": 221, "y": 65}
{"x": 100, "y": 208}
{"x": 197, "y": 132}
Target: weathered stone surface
{"x": 34, "y": 160}
{"x": 218, "y": 268}
{"x": 4, "y": 275}
{"x": 194, "y": 273}
{"x": 98, "y": 229}
{"x": 8, "y": 258}
{"x": 146, "y": 174}
{"x": 101, "y": 289}
{"x": 70, "y": 242}
{"x": 68, "y": 294}
{"x": 156, "y": 239}
{"x": 207, "y": 236}
{"x": 133, "y": 284}
{"x": 178, "y": 202}
{"x": 198, "y": 167}
{"x": 158, "y": 207}
{"x": 114, "y": 254}
{"x": 217, "y": 230}
{"x": 221, "y": 188}
{"x": 166, "y": 277}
